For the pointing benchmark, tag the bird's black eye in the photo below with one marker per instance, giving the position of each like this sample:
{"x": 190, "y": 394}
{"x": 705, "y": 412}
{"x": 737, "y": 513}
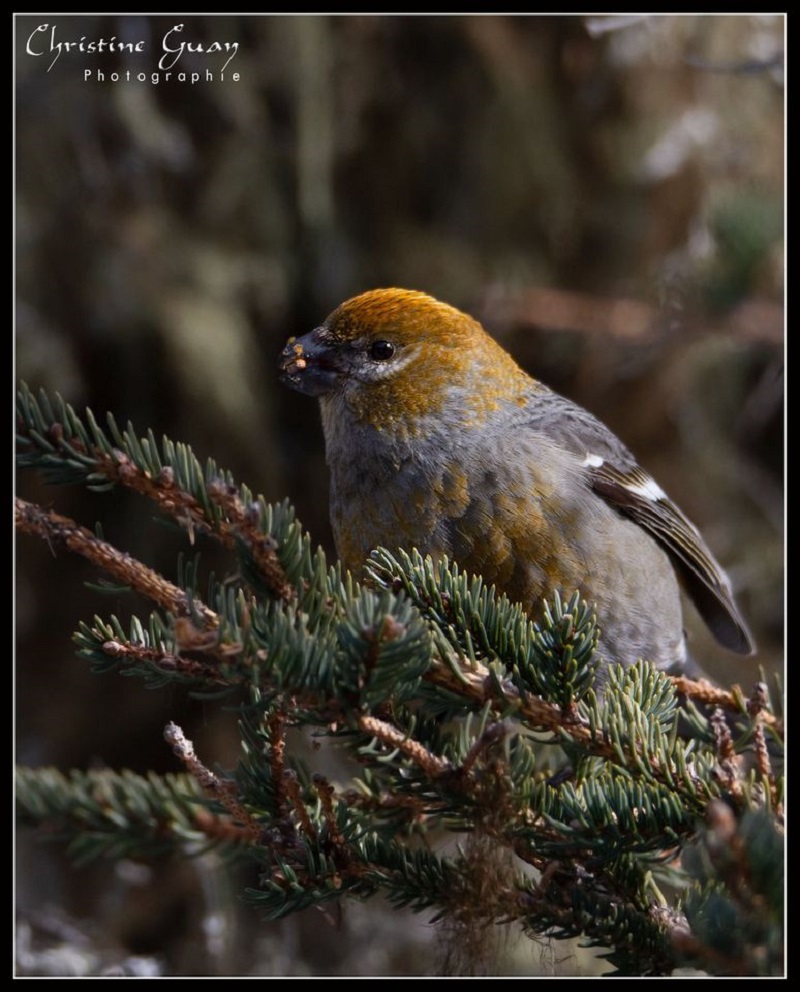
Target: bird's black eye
{"x": 381, "y": 351}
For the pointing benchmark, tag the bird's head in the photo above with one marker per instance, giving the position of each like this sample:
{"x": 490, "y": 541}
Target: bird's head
{"x": 396, "y": 356}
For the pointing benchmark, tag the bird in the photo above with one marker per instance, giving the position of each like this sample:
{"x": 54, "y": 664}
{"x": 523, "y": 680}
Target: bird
{"x": 436, "y": 439}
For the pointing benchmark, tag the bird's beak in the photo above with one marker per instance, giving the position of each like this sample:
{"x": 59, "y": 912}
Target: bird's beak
{"x": 306, "y": 365}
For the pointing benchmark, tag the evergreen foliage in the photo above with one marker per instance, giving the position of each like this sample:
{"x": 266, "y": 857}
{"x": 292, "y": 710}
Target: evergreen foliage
{"x": 587, "y": 810}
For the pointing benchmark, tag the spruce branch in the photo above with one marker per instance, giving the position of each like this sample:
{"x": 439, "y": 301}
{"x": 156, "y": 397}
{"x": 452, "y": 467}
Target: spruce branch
{"x": 52, "y": 438}
{"x": 120, "y": 814}
{"x": 581, "y": 806}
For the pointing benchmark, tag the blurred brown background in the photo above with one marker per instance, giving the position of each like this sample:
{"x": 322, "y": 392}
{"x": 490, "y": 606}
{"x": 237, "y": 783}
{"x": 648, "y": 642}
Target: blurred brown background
{"x": 605, "y": 194}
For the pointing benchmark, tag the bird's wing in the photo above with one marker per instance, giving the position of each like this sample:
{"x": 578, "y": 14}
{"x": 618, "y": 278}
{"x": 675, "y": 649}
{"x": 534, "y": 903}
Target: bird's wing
{"x": 613, "y": 473}
{"x": 633, "y": 492}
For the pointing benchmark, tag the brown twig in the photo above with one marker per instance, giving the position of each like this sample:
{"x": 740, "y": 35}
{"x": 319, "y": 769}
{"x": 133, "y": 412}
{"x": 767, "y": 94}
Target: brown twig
{"x": 341, "y": 850}
{"x": 732, "y": 699}
{"x": 59, "y": 531}
{"x": 292, "y": 791}
{"x": 163, "y": 491}
{"x": 245, "y": 525}
{"x": 241, "y": 522}
{"x": 756, "y": 708}
{"x": 493, "y": 733}
{"x": 165, "y": 661}
{"x": 431, "y": 764}
{"x": 223, "y": 792}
